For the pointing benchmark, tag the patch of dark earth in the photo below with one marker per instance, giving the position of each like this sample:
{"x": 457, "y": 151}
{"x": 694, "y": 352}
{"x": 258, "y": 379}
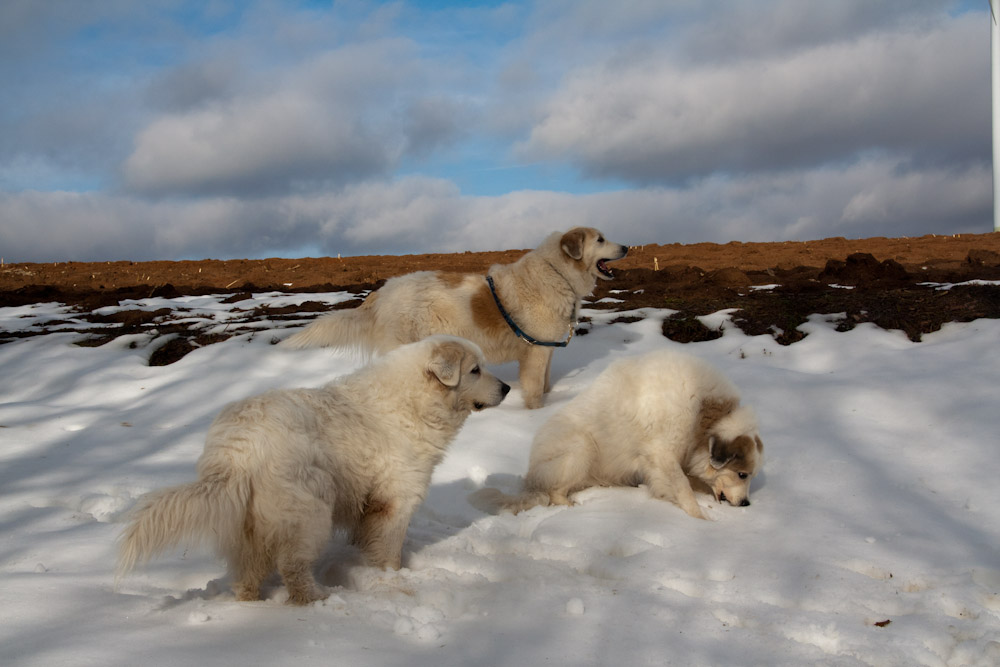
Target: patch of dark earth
{"x": 775, "y": 302}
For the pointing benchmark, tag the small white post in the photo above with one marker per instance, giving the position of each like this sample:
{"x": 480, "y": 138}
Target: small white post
{"x": 995, "y": 81}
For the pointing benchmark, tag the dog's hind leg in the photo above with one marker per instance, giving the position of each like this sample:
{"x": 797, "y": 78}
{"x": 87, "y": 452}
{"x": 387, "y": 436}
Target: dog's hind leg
{"x": 560, "y": 462}
{"x": 297, "y": 548}
{"x": 252, "y": 564}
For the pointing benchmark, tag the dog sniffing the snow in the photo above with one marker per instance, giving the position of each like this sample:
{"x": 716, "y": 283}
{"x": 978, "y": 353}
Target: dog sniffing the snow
{"x": 661, "y": 419}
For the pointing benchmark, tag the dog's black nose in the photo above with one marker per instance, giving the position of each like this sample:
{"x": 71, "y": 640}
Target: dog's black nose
{"x": 504, "y": 388}
{"x": 745, "y": 503}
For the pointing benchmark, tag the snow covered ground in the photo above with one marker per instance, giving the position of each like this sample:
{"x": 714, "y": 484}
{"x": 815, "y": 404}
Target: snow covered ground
{"x": 873, "y": 538}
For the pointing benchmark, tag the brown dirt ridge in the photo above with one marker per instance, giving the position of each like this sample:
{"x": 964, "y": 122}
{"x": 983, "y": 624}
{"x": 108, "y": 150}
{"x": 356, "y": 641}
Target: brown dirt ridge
{"x": 894, "y": 283}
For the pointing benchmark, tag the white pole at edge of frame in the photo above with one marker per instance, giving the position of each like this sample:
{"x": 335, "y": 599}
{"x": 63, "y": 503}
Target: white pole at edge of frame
{"x": 995, "y": 81}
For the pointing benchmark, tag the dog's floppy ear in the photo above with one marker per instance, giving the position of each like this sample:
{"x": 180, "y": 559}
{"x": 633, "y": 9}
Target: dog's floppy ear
{"x": 718, "y": 456}
{"x": 573, "y": 241}
{"x": 446, "y": 363}
{"x": 722, "y": 452}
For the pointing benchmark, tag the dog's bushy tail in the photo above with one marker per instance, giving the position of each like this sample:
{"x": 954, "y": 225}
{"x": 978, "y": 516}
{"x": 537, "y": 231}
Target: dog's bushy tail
{"x": 492, "y": 501}
{"x": 211, "y": 510}
{"x": 344, "y": 328}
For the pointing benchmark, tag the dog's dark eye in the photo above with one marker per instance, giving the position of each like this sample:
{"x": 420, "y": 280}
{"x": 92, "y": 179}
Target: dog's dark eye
{"x": 744, "y": 475}
{"x": 600, "y": 239}
{"x": 475, "y": 370}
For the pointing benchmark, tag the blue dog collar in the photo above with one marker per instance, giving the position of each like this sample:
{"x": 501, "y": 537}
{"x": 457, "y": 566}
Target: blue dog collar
{"x": 517, "y": 330}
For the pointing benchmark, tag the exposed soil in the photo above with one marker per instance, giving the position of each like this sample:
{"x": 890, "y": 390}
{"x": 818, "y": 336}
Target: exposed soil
{"x": 876, "y": 280}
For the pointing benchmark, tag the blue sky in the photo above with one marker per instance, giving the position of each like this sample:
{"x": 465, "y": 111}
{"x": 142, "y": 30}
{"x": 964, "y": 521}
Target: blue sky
{"x": 182, "y": 130}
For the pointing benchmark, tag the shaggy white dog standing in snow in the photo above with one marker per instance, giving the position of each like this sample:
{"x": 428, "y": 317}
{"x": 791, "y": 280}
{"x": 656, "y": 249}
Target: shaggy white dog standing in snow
{"x": 281, "y": 470}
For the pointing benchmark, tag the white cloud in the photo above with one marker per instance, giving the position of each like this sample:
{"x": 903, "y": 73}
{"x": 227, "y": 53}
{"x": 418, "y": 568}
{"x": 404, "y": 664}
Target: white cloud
{"x": 876, "y": 197}
{"x": 248, "y": 146}
{"x": 66, "y": 226}
{"x": 764, "y": 28}
{"x": 653, "y": 120}
{"x": 326, "y": 121}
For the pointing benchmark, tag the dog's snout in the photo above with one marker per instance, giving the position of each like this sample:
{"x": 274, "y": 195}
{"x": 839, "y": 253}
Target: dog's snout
{"x": 745, "y": 503}
{"x": 504, "y": 388}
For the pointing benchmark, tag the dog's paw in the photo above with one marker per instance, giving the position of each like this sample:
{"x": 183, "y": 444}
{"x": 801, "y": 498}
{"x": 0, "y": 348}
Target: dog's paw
{"x": 301, "y": 597}
{"x": 534, "y": 402}
{"x": 559, "y": 498}
{"x": 693, "y": 509}
{"x": 710, "y": 512}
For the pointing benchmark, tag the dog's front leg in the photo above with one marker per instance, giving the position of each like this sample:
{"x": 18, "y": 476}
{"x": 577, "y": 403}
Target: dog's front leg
{"x": 534, "y": 375}
{"x": 667, "y": 481}
{"x": 382, "y": 531}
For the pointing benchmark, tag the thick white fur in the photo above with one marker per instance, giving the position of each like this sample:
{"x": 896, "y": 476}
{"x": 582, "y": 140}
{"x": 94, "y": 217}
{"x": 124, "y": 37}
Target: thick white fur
{"x": 281, "y": 470}
{"x": 656, "y": 419}
{"x": 541, "y": 291}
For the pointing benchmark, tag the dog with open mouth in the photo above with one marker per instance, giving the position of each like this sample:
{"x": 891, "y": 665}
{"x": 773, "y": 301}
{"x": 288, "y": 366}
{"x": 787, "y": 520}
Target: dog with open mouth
{"x": 517, "y": 312}
{"x": 664, "y": 419}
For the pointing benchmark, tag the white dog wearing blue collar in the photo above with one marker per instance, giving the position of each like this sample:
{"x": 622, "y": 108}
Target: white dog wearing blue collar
{"x": 522, "y": 313}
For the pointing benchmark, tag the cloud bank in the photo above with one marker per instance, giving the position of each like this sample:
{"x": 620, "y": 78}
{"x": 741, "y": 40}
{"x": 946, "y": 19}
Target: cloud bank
{"x": 273, "y": 130}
